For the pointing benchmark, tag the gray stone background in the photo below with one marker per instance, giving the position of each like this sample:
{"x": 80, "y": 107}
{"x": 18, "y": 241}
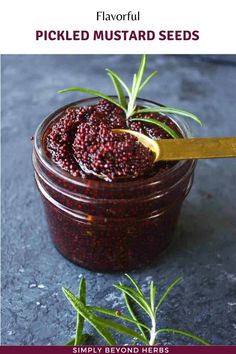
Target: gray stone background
{"x": 34, "y": 310}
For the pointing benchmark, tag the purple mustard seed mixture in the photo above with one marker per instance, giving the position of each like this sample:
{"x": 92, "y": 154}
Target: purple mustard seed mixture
{"x": 81, "y": 141}
{"x": 99, "y": 149}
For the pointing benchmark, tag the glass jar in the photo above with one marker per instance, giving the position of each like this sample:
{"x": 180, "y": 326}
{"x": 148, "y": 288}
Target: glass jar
{"x": 106, "y": 226}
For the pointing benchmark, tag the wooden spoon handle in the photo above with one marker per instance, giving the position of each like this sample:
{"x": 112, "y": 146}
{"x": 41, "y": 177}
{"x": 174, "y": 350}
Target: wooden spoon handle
{"x": 196, "y": 148}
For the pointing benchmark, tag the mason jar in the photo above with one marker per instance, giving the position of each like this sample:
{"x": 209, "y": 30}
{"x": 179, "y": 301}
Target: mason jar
{"x": 106, "y": 226}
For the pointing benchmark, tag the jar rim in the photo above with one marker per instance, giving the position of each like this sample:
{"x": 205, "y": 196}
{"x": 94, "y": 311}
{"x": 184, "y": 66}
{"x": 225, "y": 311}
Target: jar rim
{"x": 78, "y": 181}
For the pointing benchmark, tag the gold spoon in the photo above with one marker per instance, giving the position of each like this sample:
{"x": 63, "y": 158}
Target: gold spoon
{"x": 186, "y": 149}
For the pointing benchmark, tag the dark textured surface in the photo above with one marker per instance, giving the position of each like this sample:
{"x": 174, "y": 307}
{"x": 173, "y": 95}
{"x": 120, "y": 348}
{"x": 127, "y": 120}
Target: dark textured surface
{"x": 34, "y": 311}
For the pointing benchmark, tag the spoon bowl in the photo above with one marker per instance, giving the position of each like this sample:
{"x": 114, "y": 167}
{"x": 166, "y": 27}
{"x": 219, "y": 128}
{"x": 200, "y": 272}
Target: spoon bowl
{"x": 177, "y": 149}
{"x": 144, "y": 140}
{"x": 186, "y": 149}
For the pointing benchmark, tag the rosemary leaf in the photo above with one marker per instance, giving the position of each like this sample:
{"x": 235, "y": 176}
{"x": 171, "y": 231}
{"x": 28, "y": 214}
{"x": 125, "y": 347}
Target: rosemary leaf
{"x": 92, "y": 92}
{"x": 175, "y": 282}
{"x": 170, "y": 110}
{"x": 136, "y": 297}
{"x": 148, "y": 79}
{"x": 153, "y": 291}
{"x": 114, "y": 314}
{"x": 118, "y": 89}
{"x": 80, "y": 319}
{"x": 135, "y": 284}
{"x": 133, "y": 84}
{"x": 186, "y": 334}
{"x": 121, "y": 329}
{"x": 164, "y": 126}
{"x": 140, "y": 75}
{"x": 120, "y": 81}
{"x": 136, "y": 85}
{"x": 129, "y": 307}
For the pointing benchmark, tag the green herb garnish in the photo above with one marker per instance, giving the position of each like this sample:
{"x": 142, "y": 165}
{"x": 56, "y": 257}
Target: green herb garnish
{"x": 129, "y": 106}
{"x": 146, "y": 333}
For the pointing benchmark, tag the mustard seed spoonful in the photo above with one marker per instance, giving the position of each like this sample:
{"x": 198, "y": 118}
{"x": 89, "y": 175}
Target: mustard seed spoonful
{"x": 186, "y": 149}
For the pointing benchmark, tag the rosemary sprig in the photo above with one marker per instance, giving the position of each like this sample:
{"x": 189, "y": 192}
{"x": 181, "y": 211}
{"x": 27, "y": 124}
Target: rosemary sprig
{"x": 129, "y": 107}
{"x": 147, "y": 334}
